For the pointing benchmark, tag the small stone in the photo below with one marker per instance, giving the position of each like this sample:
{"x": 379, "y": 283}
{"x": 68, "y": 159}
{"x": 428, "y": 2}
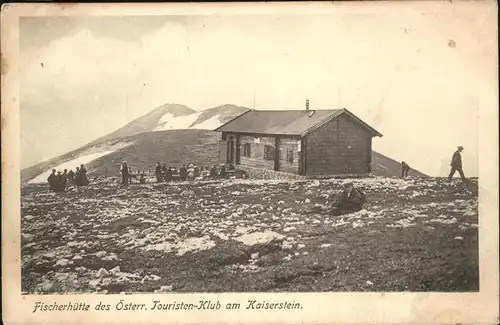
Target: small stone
{"x": 77, "y": 258}
{"x": 49, "y": 255}
{"x": 165, "y": 288}
{"x": 100, "y": 254}
{"x": 47, "y": 286}
{"x": 254, "y": 256}
{"x": 110, "y": 257}
{"x": 325, "y": 245}
{"x": 459, "y": 238}
{"x": 286, "y": 245}
{"x": 106, "y": 281}
{"x": 80, "y": 269}
{"x": 115, "y": 270}
{"x": 62, "y": 262}
{"x": 369, "y": 283}
{"x": 102, "y": 273}
{"x": 94, "y": 283}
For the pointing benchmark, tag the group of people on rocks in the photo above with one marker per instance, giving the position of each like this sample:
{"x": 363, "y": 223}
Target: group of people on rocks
{"x": 190, "y": 171}
{"x": 186, "y": 172}
{"x": 59, "y": 182}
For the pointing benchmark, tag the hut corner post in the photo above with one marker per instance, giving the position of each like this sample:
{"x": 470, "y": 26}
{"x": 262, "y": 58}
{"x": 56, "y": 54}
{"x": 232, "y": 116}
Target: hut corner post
{"x": 237, "y": 150}
{"x": 303, "y": 157}
{"x": 369, "y": 155}
{"x": 276, "y": 153}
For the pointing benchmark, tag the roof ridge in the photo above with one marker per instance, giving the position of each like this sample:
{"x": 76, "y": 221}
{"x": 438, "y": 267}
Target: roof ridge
{"x": 294, "y": 110}
{"x": 285, "y": 122}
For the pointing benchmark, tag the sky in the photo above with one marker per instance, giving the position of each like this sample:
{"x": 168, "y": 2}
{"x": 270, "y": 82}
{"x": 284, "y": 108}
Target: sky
{"x": 419, "y": 75}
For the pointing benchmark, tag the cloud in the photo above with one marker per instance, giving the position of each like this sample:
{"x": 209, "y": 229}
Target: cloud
{"x": 396, "y": 71}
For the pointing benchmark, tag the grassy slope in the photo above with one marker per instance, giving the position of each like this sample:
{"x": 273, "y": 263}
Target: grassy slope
{"x": 366, "y": 253}
{"x": 171, "y": 147}
{"x": 385, "y": 166}
{"x": 175, "y": 147}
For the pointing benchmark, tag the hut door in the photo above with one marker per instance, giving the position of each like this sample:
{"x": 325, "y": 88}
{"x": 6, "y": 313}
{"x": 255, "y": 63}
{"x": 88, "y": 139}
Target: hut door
{"x": 223, "y": 151}
{"x": 230, "y": 150}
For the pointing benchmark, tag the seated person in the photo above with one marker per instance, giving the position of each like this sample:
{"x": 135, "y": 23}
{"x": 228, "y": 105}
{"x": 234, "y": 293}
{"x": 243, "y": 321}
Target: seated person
{"x": 213, "y": 172}
{"x": 351, "y": 200}
{"x": 222, "y": 171}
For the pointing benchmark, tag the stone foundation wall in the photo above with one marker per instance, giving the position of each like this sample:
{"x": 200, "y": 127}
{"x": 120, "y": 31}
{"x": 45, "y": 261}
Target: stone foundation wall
{"x": 261, "y": 173}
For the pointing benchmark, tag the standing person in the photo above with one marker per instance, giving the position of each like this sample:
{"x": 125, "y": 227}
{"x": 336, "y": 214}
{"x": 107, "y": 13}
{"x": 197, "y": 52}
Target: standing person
{"x": 65, "y": 179}
{"x": 124, "y": 171}
{"x": 351, "y": 200}
{"x": 163, "y": 171}
{"x": 190, "y": 172}
{"x": 84, "y": 179}
{"x": 158, "y": 172}
{"x": 71, "y": 176}
{"x": 183, "y": 173}
{"x": 130, "y": 175}
{"x": 168, "y": 174}
{"x": 456, "y": 164}
{"x": 196, "y": 171}
{"x": 52, "y": 180}
{"x": 405, "y": 168}
{"x": 78, "y": 177}
{"x": 59, "y": 182}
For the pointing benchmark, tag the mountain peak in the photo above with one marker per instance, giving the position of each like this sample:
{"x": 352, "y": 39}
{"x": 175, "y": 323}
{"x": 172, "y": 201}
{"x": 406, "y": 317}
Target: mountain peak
{"x": 149, "y": 121}
{"x": 172, "y": 108}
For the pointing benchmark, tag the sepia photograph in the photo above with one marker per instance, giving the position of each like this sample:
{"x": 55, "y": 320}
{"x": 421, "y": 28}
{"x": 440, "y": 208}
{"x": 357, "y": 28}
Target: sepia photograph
{"x": 254, "y": 152}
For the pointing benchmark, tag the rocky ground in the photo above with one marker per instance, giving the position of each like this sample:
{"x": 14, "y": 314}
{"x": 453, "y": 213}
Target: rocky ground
{"x": 249, "y": 235}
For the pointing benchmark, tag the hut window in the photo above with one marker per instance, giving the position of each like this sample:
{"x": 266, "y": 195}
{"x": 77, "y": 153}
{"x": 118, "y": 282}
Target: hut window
{"x": 268, "y": 152}
{"x": 247, "y": 150}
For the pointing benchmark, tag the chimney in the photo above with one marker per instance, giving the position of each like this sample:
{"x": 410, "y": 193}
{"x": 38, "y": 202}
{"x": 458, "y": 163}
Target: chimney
{"x": 307, "y": 104}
